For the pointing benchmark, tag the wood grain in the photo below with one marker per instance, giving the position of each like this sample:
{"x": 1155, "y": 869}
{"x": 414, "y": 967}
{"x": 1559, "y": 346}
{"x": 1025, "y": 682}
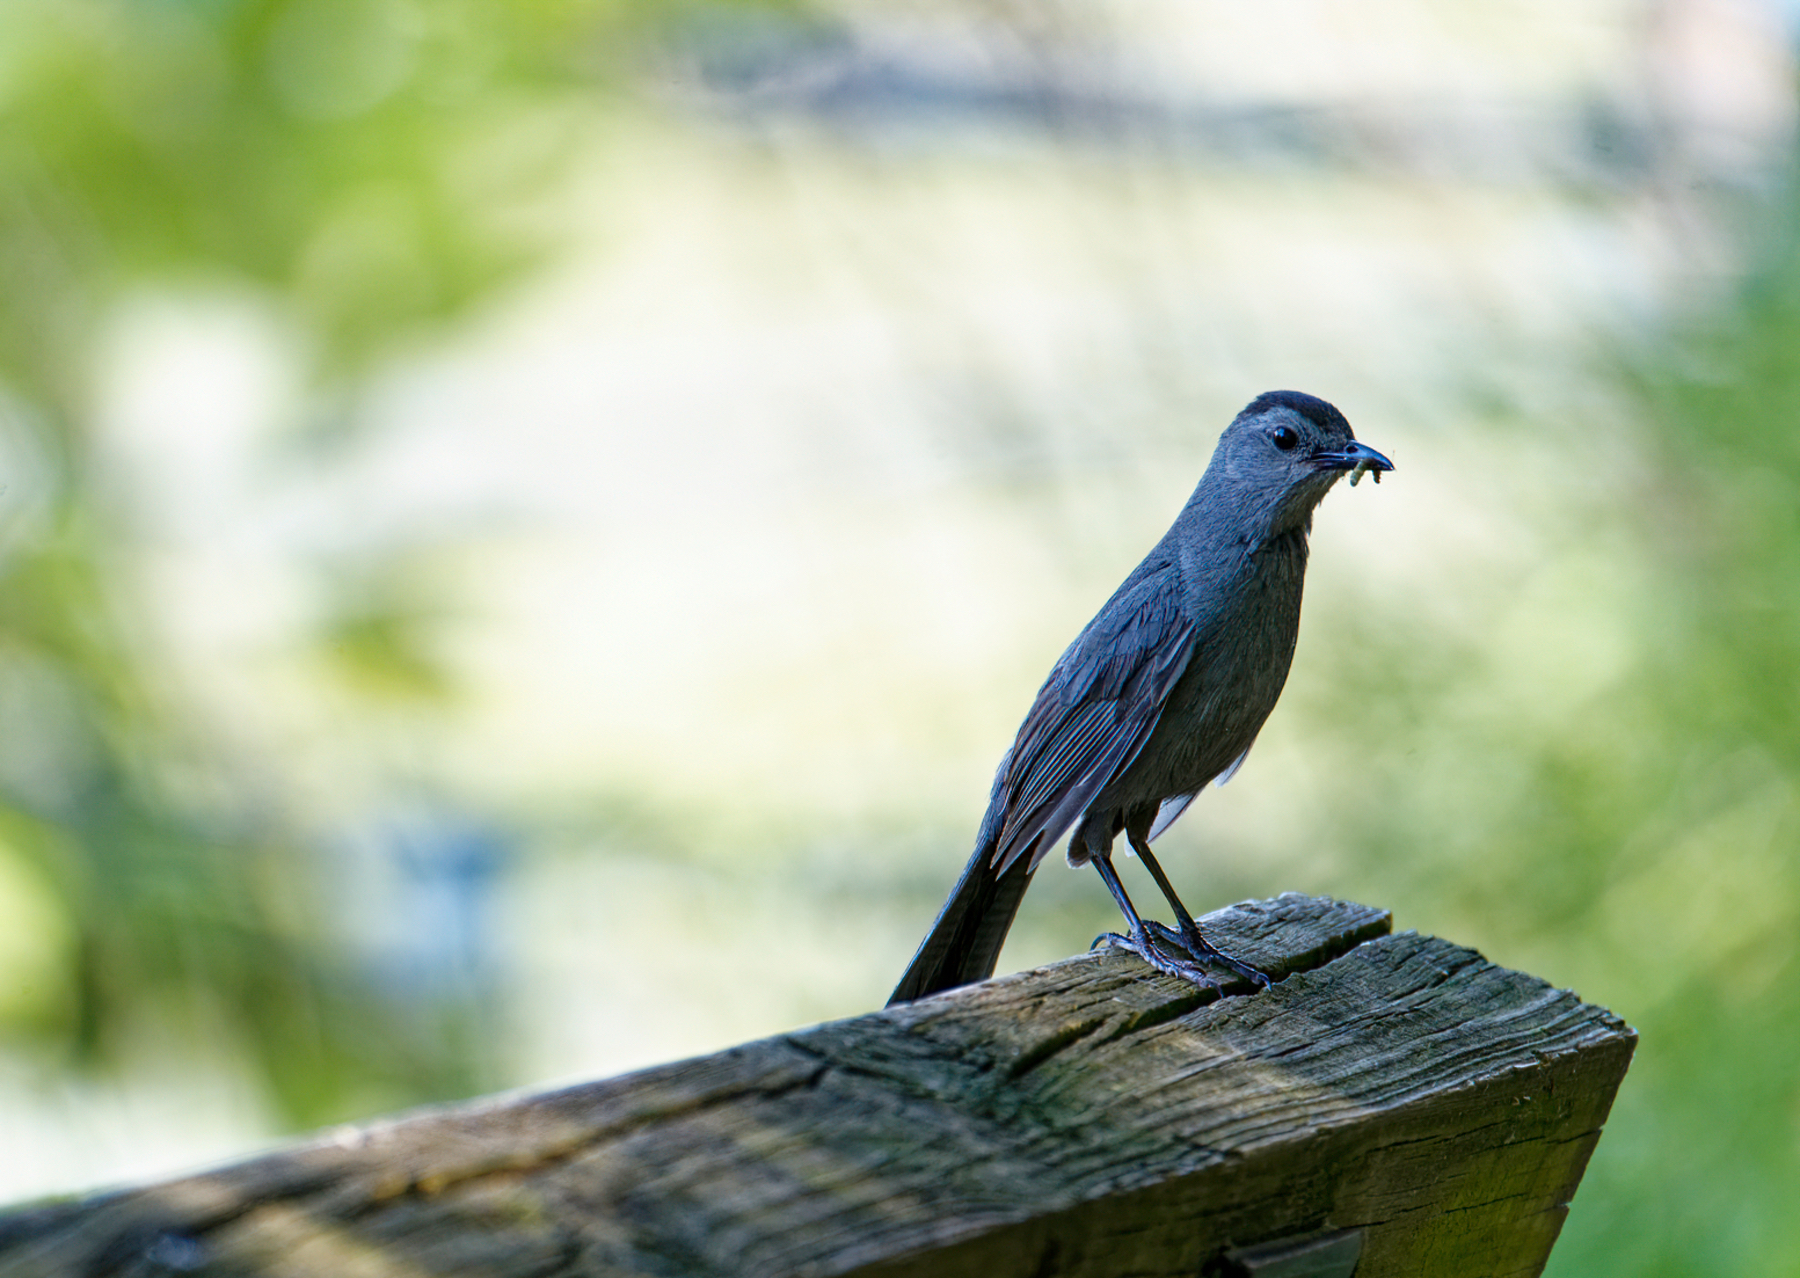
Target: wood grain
{"x": 1088, "y": 1118}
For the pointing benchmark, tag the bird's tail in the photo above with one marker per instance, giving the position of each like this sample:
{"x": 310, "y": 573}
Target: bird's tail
{"x": 964, "y": 944}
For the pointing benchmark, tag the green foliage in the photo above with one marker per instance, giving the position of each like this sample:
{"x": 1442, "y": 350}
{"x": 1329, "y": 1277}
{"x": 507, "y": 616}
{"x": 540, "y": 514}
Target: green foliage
{"x": 1606, "y": 796}
{"x": 371, "y": 166}
{"x": 1707, "y": 879}
{"x": 347, "y": 153}
{"x": 1603, "y": 789}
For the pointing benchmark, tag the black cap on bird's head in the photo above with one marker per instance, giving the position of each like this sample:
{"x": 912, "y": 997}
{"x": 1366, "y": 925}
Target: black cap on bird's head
{"x": 1285, "y": 450}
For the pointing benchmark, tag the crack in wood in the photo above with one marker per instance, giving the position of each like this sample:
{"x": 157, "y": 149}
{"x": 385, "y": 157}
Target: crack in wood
{"x": 1086, "y": 1117}
{"x": 1064, "y": 1038}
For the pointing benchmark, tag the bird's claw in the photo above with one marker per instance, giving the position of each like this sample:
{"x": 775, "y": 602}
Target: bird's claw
{"x": 1153, "y": 953}
{"x": 1195, "y": 952}
{"x": 1201, "y": 950}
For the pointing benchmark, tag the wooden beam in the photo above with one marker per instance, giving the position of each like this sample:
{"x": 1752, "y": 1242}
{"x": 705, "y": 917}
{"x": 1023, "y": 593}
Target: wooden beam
{"x": 1396, "y": 1105}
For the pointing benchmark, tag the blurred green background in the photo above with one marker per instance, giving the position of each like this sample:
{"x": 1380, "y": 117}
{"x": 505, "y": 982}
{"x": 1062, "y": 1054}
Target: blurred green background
{"x": 525, "y": 528}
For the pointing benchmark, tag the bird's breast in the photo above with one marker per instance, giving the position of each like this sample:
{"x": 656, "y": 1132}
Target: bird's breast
{"x": 1244, "y": 644}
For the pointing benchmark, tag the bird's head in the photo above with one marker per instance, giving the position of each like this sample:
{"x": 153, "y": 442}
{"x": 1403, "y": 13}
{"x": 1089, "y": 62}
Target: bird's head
{"x": 1281, "y": 455}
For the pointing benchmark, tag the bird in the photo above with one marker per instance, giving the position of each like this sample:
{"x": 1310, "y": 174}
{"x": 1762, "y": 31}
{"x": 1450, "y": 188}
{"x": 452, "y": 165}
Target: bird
{"x": 1162, "y": 693}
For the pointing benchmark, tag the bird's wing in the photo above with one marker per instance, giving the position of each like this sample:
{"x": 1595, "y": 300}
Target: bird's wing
{"x": 1093, "y": 715}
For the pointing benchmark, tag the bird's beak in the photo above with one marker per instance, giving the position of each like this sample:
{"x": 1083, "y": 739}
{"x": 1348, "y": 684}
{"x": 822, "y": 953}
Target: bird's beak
{"x": 1356, "y": 456}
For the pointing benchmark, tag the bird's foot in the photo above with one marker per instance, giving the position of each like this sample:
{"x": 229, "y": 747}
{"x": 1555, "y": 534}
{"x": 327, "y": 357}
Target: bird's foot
{"x": 1163, "y": 949}
{"x": 1200, "y": 950}
{"x": 1187, "y": 957}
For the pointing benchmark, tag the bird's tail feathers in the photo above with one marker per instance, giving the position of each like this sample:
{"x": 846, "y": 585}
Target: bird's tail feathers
{"x": 964, "y": 944}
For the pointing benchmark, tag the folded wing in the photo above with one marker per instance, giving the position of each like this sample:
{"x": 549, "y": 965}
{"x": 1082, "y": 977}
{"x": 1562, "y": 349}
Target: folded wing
{"x": 1093, "y": 715}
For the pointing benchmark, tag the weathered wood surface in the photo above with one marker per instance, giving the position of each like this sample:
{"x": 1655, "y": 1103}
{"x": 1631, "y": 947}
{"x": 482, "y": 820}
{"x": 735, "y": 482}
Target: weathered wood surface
{"x": 1397, "y": 1105}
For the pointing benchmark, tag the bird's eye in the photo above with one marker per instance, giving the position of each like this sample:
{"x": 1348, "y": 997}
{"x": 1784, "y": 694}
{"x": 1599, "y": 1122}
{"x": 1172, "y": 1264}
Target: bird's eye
{"x": 1285, "y": 437}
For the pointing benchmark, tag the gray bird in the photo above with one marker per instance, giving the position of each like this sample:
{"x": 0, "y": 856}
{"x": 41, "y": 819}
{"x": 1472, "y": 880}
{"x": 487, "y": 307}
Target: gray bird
{"x": 1164, "y": 691}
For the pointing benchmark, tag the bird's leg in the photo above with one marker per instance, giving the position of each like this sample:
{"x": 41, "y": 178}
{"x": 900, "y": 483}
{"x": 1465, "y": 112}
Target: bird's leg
{"x": 1189, "y": 937}
{"x": 1143, "y": 939}
{"x": 1110, "y": 876}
